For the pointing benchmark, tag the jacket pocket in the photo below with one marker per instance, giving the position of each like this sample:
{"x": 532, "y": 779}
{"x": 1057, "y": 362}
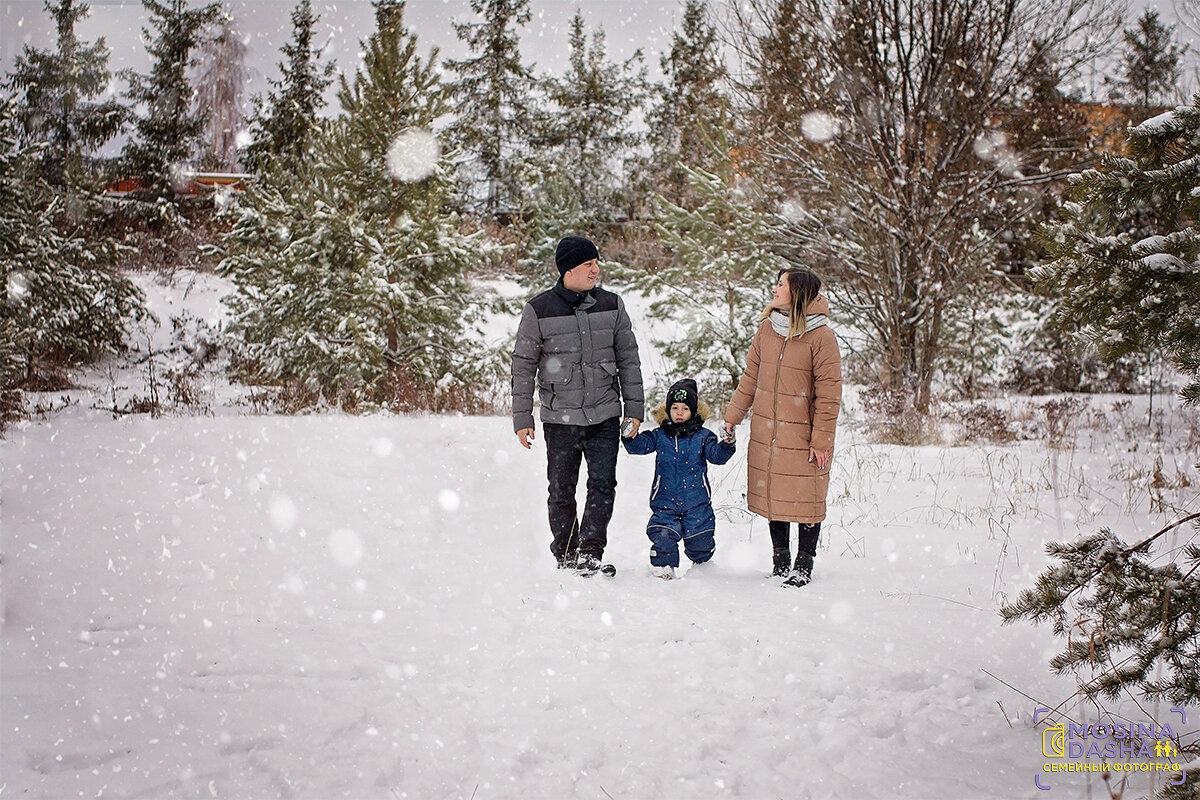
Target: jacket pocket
{"x": 554, "y": 369}
{"x": 556, "y": 383}
{"x": 606, "y": 382}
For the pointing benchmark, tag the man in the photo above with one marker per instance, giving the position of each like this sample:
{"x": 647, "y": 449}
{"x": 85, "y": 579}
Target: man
{"x": 575, "y": 342}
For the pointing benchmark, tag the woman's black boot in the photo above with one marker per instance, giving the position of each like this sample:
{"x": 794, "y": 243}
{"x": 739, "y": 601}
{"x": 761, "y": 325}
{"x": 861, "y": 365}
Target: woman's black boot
{"x": 801, "y": 574}
{"x": 781, "y": 551}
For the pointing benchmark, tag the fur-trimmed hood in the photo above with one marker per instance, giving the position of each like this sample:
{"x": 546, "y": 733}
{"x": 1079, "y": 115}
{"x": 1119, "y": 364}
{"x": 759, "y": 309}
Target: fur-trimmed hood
{"x": 659, "y": 412}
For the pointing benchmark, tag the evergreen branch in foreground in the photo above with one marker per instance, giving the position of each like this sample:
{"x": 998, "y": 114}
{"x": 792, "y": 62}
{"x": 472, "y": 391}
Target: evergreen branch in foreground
{"x": 1134, "y": 626}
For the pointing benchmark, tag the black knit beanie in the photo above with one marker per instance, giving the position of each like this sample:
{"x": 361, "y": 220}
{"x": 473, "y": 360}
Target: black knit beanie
{"x": 573, "y": 251}
{"x": 683, "y": 391}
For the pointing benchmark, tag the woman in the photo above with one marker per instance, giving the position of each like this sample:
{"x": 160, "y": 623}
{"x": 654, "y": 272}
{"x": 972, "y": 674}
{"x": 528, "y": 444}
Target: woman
{"x": 793, "y": 381}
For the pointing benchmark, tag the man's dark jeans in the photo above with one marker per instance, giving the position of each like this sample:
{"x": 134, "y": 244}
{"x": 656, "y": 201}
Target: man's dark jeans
{"x": 566, "y": 448}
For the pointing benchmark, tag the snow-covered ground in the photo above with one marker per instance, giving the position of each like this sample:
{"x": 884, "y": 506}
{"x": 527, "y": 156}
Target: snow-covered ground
{"x": 243, "y": 606}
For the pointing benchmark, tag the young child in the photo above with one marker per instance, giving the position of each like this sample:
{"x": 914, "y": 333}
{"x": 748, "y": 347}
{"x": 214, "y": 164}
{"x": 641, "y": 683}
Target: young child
{"x": 680, "y": 499}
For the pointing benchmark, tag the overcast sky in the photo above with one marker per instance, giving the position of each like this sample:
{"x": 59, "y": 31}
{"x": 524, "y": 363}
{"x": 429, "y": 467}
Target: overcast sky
{"x": 266, "y": 26}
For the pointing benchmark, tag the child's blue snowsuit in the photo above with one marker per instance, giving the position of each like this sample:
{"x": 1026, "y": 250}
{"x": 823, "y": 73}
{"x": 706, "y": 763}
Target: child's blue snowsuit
{"x": 680, "y": 498}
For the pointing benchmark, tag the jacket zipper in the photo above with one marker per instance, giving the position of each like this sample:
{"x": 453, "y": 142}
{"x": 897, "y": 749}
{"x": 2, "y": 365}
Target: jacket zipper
{"x": 774, "y": 426}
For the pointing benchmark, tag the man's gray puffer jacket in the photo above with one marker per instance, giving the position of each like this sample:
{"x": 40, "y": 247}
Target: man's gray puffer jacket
{"x": 580, "y": 351}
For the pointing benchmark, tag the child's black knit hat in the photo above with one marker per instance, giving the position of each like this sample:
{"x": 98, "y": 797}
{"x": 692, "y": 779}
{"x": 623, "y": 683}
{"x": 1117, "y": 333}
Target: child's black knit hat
{"x": 684, "y": 391}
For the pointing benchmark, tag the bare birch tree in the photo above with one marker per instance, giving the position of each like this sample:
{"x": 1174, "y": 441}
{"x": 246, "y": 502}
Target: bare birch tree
{"x": 882, "y": 123}
{"x": 219, "y": 88}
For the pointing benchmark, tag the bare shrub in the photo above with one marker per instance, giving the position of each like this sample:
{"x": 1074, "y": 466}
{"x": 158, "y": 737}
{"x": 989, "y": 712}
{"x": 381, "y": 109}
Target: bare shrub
{"x": 891, "y": 417}
{"x": 1060, "y": 414}
{"x": 982, "y": 422}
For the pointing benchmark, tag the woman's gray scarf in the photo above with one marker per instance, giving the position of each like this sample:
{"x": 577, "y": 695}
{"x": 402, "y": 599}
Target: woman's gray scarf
{"x": 779, "y": 322}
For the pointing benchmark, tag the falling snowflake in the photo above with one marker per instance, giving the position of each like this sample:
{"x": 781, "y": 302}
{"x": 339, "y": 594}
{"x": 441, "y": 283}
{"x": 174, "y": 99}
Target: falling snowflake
{"x": 346, "y": 547}
{"x": 413, "y": 156}
{"x": 793, "y": 211}
{"x": 180, "y": 176}
{"x": 819, "y": 126}
{"x": 449, "y": 500}
{"x": 282, "y": 511}
{"x": 993, "y": 146}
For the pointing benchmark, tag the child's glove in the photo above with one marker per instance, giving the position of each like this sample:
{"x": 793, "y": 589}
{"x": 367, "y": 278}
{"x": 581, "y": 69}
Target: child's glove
{"x": 728, "y": 436}
{"x": 626, "y": 428}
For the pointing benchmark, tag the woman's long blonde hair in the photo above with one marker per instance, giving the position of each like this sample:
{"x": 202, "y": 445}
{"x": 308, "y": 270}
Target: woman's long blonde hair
{"x": 804, "y": 286}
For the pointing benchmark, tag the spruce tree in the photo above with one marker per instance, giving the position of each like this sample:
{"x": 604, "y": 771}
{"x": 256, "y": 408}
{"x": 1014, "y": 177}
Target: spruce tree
{"x": 167, "y": 129}
{"x": 1150, "y": 65}
{"x": 59, "y": 108}
{"x": 351, "y": 278}
{"x": 493, "y": 91}
{"x": 1134, "y": 291}
{"x": 588, "y": 130}
{"x": 285, "y": 124}
{"x": 64, "y": 303}
{"x": 61, "y": 95}
{"x": 692, "y": 110}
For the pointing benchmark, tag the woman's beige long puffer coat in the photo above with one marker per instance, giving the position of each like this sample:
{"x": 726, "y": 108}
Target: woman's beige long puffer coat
{"x": 795, "y": 390}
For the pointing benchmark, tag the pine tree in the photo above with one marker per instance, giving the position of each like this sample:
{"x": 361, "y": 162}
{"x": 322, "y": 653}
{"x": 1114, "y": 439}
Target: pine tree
{"x": 720, "y": 276}
{"x": 63, "y": 301}
{"x": 1150, "y": 64}
{"x": 1131, "y": 621}
{"x": 219, "y": 86}
{"x": 692, "y": 111}
{"x": 61, "y": 93}
{"x": 588, "y": 129}
{"x": 493, "y": 92}
{"x": 286, "y": 123}
{"x": 352, "y": 277}
{"x": 1135, "y": 291}
{"x": 167, "y": 131}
